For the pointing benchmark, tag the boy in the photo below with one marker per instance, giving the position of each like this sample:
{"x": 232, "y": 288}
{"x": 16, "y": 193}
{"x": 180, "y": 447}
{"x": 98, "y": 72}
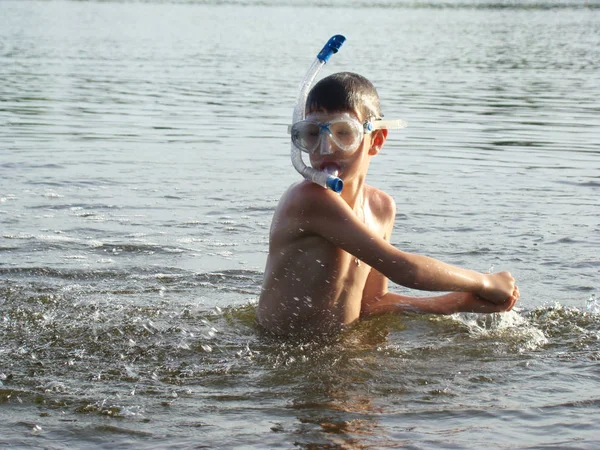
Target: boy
{"x": 329, "y": 255}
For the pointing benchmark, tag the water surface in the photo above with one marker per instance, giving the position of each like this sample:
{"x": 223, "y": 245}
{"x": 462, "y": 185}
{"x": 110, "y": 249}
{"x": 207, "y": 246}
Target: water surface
{"x": 143, "y": 151}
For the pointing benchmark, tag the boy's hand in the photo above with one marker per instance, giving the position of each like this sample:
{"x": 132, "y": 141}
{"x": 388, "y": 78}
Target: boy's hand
{"x": 498, "y": 287}
{"x": 469, "y": 302}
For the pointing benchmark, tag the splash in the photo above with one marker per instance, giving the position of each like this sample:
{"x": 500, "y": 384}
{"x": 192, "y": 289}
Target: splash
{"x": 593, "y": 305}
{"x": 510, "y": 327}
{"x": 570, "y": 328}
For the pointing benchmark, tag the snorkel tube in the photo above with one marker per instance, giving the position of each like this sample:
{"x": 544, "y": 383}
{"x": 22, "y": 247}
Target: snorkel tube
{"x": 324, "y": 179}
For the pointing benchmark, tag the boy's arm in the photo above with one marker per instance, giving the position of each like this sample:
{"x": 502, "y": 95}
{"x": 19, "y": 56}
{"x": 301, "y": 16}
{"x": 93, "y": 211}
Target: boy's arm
{"x": 328, "y": 215}
{"x": 451, "y": 303}
{"x": 377, "y": 299}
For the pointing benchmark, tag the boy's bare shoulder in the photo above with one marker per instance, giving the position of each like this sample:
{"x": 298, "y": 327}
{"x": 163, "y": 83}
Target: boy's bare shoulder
{"x": 305, "y": 204}
{"x": 306, "y": 210}
{"x": 304, "y": 197}
{"x": 381, "y": 203}
{"x": 302, "y": 190}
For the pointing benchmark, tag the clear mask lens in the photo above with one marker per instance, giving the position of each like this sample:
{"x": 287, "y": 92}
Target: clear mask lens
{"x": 346, "y": 134}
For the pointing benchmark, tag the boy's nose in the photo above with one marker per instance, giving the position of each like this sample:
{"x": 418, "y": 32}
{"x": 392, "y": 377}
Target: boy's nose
{"x": 325, "y": 148}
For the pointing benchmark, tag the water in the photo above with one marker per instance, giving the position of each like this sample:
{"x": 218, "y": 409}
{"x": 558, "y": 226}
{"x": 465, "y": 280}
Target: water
{"x": 143, "y": 151}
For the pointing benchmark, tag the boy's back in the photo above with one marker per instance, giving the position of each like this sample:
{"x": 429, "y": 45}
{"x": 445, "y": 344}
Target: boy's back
{"x": 311, "y": 284}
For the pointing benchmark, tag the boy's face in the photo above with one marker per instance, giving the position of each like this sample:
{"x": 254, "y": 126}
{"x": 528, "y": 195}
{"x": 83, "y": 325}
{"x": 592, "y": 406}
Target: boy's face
{"x": 329, "y": 155}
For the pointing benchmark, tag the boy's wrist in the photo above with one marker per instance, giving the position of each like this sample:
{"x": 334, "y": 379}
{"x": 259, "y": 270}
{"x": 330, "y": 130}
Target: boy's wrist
{"x": 484, "y": 284}
{"x": 452, "y": 303}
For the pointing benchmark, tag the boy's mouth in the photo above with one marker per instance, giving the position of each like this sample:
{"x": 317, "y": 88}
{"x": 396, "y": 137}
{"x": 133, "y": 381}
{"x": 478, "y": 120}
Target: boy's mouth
{"x": 331, "y": 168}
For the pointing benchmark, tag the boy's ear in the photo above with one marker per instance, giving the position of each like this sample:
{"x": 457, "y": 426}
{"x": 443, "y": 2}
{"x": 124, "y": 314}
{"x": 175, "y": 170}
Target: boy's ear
{"x": 377, "y": 140}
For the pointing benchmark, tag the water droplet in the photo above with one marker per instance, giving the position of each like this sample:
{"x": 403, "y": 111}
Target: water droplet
{"x": 592, "y": 304}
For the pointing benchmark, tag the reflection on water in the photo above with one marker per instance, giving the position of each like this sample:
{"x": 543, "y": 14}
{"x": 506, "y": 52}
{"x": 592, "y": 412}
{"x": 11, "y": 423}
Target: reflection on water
{"x": 143, "y": 151}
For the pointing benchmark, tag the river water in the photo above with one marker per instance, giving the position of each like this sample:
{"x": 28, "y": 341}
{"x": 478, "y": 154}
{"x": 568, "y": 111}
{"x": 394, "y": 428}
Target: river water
{"x": 143, "y": 151}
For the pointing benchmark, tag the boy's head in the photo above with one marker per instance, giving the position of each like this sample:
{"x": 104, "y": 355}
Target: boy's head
{"x": 334, "y": 132}
{"x": 345, "y": 91}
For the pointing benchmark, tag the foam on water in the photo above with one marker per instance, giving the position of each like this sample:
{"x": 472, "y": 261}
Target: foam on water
{"x": 508, "y": 327}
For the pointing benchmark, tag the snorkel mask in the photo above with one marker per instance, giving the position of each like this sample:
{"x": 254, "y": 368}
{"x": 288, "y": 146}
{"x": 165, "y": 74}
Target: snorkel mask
{"x": 345, "y": 132}
{"x": 311, "y": 136}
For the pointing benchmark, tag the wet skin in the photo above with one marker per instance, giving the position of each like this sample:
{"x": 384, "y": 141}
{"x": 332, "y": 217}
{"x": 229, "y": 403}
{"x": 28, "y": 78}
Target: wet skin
{"x": 330, "y": 258}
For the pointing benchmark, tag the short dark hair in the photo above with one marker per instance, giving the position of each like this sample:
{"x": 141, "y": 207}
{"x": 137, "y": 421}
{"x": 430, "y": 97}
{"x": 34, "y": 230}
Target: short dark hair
{"x": 345, "y": 91}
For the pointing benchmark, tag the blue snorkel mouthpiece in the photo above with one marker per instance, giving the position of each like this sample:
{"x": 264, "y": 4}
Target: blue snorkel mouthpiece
{"x": 335, "y": 184}
{"x": 324, "y": 179}
{"x": 333, "y": 45}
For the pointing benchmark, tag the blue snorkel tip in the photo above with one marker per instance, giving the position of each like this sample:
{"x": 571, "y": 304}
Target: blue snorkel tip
{"x": 335, "y": 184}
{"x": 332, "y": 46}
